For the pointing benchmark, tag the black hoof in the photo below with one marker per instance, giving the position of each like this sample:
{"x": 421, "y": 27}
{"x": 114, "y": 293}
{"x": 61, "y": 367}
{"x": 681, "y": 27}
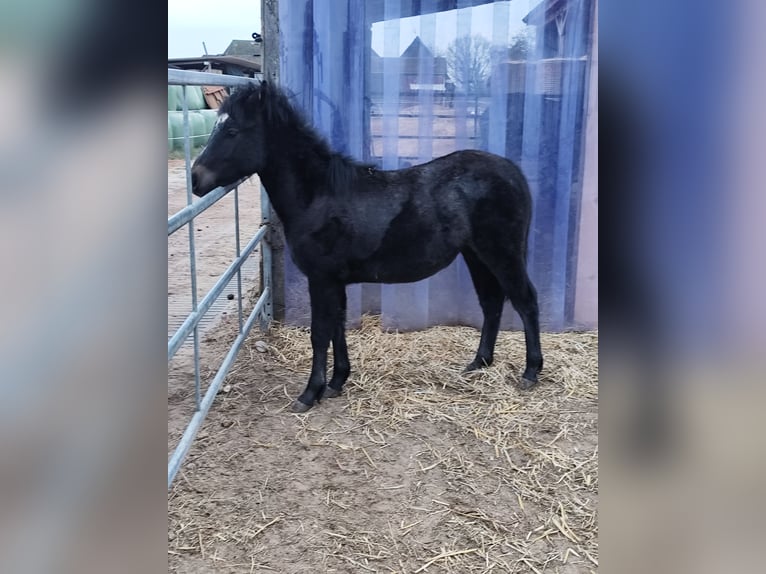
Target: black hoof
{"x": 526, "y": 384}
{"x": 331, "y": 393}
{"x": 299, "y": 407}
{"x": 475, "y": 366}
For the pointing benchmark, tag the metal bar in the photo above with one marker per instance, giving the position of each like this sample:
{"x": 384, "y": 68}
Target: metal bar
{"x": 188, "y": 213}
{"x": 268, "y": 313}
{"x": 181, "y": 137}
{"x": 192, "y": 252}
{"x": 196, "y": 422}
{"x": 410, "y": 115}
{"x": 194, "y": 317}
{"x": 403, "y": 137}
{"x": 191, "y": 78}
{"x": 239, "y": 271}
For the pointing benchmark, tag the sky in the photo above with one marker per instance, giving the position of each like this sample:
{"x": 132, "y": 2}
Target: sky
{"x": 217, "y": 23}
{"x": 190, "y": 22}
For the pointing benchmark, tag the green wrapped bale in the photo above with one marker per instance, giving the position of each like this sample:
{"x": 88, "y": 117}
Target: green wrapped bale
{"x": 174, "y": 101}
{"x": 198, "y": 130}
{"x": 195, "y": 98}
{"x": 210, "y": 116}
{"x": 176, "y": 120}
{"x": 200, "y": 125}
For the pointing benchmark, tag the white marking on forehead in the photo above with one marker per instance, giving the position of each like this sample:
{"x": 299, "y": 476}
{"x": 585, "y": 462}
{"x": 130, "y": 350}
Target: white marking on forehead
{"x": 221, "y": 119}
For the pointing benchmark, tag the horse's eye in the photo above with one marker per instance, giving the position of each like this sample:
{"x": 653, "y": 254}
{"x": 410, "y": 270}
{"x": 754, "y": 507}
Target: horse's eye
{"x": 232, "y": 131}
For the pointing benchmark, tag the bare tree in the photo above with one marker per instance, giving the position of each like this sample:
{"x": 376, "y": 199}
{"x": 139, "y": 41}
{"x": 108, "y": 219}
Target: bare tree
{"x": 468, "y": 65}
{"x": 522, "y": 45}
{"x": 468, "y": 62}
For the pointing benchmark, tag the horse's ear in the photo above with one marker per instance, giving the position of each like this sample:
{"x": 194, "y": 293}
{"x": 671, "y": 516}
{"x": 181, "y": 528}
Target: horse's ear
{"x": 263, "y": 89}
{"x": 255, "y": 96}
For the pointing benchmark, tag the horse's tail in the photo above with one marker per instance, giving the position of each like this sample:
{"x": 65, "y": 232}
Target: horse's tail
{"x": 524, "y": 184}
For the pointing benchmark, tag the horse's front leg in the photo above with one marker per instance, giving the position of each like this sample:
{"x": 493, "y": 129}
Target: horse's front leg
{"x": 326, "y": 308}
{"x": 341, "y": 365}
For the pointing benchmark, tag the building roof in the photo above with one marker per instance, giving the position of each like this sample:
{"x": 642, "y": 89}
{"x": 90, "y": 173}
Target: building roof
{"x": 245, "y": 48}
{"x": 410, "y": 60}
{"x": 203, "y": 62}
{"x": 544, "y": 12}
{"x": 245, "y": 54}
{"x": 417, "y": 49}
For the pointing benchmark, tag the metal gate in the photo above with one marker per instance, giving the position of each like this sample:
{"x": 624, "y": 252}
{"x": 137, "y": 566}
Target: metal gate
{"x": 263, "y": 307}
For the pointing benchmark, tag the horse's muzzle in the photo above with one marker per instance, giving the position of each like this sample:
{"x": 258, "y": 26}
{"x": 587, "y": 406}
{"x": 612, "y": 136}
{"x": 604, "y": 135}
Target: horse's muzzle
{"x": 202, "y": 179}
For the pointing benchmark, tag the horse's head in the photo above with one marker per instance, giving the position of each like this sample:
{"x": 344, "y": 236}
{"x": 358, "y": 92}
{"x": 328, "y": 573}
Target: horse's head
{"x": 236, "y": 147}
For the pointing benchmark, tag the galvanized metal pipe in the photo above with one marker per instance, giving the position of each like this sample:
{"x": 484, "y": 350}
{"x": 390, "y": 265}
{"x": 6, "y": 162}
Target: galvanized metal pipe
{"x": 266, "y": 258}
{"x": 185, "y": 215}
{"x": 239, "y": 271}
{"x": 192, "y": 78}
{"x": 192, "y": 252}
{"x": 194, "y": 318}
{"x": 196, "y": 422}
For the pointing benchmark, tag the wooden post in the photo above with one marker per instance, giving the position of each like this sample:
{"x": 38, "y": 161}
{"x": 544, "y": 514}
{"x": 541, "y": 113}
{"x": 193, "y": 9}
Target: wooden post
{"x": 275, "y": 237}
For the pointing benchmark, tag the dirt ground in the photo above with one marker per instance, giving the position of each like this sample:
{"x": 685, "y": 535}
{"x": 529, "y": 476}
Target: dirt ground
{"x": 416, "y": 468}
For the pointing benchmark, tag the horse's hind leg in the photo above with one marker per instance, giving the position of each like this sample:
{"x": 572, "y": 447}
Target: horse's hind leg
{"x": 523, "y": 296}
{"x": 491, "y": 299}
{"x": 341, "y": 366}
{"x": 524, "y": 299}
{"x": 510, "y": 270}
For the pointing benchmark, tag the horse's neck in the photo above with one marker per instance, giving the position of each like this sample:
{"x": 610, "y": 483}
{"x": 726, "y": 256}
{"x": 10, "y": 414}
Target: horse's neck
{"x": 287, "y": 179}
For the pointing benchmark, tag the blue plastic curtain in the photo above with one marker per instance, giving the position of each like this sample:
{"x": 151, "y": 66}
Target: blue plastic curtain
{"x": 399, "y": 82}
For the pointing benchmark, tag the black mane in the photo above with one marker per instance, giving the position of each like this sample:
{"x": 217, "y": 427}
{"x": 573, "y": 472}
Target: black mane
{"x": 281, "y": 117}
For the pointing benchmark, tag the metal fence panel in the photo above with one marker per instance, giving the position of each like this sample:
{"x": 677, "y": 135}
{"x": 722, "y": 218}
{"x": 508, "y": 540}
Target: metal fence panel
{"x": 263, "y": 307}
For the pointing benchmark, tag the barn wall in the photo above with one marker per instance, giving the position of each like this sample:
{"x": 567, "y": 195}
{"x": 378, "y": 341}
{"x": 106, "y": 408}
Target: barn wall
{"x": 534, "y": 112}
